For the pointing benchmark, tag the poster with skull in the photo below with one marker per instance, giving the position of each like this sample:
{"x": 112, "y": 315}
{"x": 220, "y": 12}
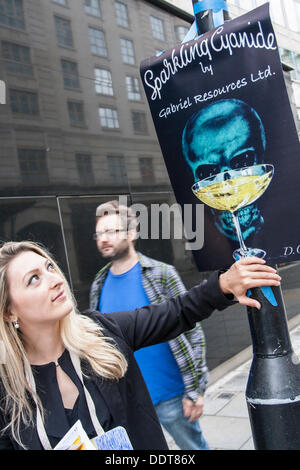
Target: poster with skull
{"x": 225, "y": 126}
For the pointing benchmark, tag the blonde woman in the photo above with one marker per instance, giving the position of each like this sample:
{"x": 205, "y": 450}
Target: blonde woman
{"x": 58, "y": 365}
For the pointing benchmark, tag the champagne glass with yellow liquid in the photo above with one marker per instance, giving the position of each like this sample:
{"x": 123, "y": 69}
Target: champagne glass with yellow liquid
{"x": 232, "y": 190}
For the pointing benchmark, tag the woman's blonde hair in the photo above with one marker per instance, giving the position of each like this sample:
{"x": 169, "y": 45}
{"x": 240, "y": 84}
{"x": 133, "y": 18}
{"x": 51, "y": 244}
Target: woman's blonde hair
{"x": 79, "y": 333}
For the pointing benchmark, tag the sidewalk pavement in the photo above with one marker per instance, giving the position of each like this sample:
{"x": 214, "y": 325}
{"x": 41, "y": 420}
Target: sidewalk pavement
{"x": 225, "y": 422}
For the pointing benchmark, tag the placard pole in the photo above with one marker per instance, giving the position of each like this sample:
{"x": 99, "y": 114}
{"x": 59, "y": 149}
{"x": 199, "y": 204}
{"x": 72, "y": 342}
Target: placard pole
{"x": 273, "y": 388}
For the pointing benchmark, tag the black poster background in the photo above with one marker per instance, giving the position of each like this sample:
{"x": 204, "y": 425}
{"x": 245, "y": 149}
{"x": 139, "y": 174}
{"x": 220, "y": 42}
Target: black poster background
{"x": 253, "y": 75}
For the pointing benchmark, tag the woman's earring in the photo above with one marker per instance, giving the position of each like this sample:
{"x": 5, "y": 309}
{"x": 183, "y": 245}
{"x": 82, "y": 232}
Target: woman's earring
{"x": 16, "y": 324}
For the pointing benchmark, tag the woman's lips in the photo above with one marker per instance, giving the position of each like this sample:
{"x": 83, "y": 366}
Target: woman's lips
{"x": 59, "y": 296}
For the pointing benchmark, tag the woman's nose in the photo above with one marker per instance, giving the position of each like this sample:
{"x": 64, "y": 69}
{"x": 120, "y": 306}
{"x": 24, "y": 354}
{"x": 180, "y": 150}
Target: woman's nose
{"x": 55, "y": 280}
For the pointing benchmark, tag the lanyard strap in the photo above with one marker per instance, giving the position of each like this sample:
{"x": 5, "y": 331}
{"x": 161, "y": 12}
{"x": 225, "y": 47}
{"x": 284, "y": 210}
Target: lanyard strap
{"x": 91, "y": 406}
{"x": 39, "y": 421}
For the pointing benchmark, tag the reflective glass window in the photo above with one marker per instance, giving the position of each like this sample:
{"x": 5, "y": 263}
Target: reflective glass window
{"x": 12, "y": 13}
{"x": 17, "y": 58}
{"x": 63, "y": 31}
{"x": 97, "y": 42}
{"x": 127, "y": 51}
{"x": 121, "y": 14}
{"x": 103, "y": 81}
{"x": 92, "y": 7}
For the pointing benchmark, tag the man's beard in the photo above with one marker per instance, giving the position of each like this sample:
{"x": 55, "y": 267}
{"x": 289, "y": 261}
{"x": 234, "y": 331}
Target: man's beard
{"x": 119, "y": 253}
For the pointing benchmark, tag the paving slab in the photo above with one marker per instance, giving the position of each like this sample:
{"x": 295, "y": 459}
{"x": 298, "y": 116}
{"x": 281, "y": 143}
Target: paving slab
{"x": 237, "y": 407}
{"x": 225, "y": 433}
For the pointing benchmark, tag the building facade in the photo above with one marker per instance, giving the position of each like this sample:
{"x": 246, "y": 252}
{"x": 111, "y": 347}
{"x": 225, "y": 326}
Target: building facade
{"x": 76, "y": 131}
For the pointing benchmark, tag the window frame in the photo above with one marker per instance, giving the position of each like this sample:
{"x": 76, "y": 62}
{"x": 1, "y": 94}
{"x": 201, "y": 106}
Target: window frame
{"x": 180, "y": 36}
{"x": 155, "y": 22}
{"x": 62, "y": 3}
{"x": 71, "y": 75}
{"x": 124, "y": 43}
{"x": 69, "y": 32}
{"x": 85, "y": 177}
{"x": 109, "y": 86}
{"x": 76, "y": 122}
{"x": 93, "y": 8}
{"x": 18, "y": 65}
{"x": 17, "y": 22}
{"x": 146, "y": 179}
{"x": 122, "y": 19}
{"x": 105, "y": 118}
{"x": 32, "y": 177}
{"x": 140, "y": 118}
{"x": 91, "y": 30}
{"x": 26, "y": 93}
{"x": 132, "y": 89}
{"x": 119, "y": 177}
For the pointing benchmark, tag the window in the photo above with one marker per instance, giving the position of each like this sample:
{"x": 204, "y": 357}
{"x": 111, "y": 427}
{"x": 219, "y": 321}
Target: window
{"x": 109, "y": 118}
{"x": 103, "y": 82}
{"x": 293, "y": 59}
{"x": 139, "y": 122}
{"x": 97, "y": 41}
{"x": 127, "y": 51}
{"x": 63, "y": 31}
{"x": 296, "y": 60}
{"x": 12, "y": 13}
{"x": 33, "y": 166}
{"x": 84, "y": 168}
{"x": 133, "y": 88}
{"x": 70, "y": 74}
{"x": 24, "y": 102}
{"x": 76, "y": 113}
{"x": 61, "y": 2}
{"x": 286, "y": 56}
{"x": 276, "y": 12}
{"x": 292, "y": 15}
{"x": 17, "y": 58}
{"x": 92, "y": 7}
{"x": 181, "y": 32}
{"x": 117, "y": 169}
{"x": 146, "y": 169}
{"x": 121, "y": 14}
{"x": 157, "y": 26}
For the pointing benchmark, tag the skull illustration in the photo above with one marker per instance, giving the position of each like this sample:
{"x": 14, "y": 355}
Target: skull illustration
{"x": 226, "y": 135}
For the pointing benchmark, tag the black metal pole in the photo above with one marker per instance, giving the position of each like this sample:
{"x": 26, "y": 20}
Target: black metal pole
{"x": 273, "y": 388}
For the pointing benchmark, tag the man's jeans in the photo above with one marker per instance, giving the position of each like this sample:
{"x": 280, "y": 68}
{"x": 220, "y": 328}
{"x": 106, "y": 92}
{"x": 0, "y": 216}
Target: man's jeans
{"x": 188, "y": 436}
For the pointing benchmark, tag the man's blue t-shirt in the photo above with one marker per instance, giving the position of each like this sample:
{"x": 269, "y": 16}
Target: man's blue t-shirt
{"x": 159, "y": 368}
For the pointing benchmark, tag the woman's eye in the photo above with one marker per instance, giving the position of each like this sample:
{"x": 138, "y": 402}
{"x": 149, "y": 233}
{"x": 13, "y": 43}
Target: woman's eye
{"x": 50, "y": 267}
{"x": 33, "y": 279}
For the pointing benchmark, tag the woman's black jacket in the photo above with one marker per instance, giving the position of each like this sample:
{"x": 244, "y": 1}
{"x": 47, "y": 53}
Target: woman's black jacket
{"x": 128, "y": 401}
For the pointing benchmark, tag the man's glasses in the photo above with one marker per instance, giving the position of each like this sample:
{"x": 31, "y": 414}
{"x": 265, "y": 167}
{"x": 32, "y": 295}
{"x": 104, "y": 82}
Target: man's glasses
{"x": 110, "y": 232}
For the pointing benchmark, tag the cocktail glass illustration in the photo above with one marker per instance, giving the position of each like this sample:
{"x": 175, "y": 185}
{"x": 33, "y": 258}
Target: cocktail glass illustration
{"x": 233, "y": 189}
